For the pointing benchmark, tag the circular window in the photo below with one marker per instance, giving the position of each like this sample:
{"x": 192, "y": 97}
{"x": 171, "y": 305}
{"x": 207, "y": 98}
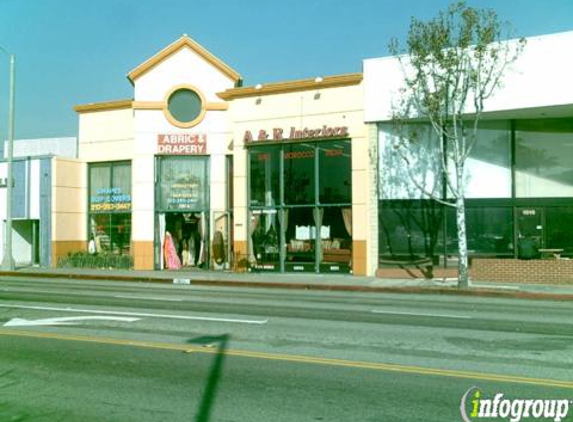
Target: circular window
{"x": 184, "y": 105}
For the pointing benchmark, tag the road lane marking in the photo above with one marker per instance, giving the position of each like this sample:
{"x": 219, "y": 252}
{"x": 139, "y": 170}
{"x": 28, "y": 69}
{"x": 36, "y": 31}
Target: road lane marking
{"x": 375, "y": 311}
{"x": 418, "y": 370}
{"x": 148, "y": 298}
{"x": 139, "y": 314}
{"x": 20, "y": 322}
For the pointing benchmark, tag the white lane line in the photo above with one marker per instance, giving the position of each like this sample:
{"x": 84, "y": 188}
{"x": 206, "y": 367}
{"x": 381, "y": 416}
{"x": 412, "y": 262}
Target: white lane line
{"x": 20, "y": 322}
{"x": 138, "y": 314}
{"x": 163, "y": 299}
{"x": 421, "y": 314}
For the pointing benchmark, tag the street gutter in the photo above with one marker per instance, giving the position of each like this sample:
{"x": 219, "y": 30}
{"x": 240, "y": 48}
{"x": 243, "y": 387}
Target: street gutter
{"x": 480, "y": 291}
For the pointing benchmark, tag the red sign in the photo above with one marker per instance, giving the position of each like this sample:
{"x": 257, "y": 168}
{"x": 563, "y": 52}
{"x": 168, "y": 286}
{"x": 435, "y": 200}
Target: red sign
{"x": 182, "y": 144}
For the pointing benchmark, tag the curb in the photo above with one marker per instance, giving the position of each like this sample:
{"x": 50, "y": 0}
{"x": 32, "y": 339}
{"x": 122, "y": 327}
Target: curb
{"x": 452, "y": 291}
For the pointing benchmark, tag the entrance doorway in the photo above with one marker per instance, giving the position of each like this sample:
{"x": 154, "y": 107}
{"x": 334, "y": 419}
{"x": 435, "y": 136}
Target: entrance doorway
{"x": 26, "y": 242}
{"x": 181, "y": 240}
{"x": 530, "y": 233}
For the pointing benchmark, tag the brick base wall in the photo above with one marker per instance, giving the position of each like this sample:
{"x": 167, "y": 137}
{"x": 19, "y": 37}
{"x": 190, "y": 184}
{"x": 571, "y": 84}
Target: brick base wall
{"x": 547, "y": 271}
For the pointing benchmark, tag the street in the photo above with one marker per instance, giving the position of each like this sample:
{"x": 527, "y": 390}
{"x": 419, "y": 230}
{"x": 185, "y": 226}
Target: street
{"x": 112, "y": 351}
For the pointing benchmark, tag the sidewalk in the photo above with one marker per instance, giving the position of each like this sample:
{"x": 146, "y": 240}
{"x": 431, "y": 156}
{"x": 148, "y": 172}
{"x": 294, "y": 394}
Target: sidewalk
{"x": 333, "y": 282}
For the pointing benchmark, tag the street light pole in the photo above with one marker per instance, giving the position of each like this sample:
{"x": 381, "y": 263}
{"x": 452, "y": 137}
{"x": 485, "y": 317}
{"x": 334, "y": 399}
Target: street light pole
{"x": 8, "y": 260}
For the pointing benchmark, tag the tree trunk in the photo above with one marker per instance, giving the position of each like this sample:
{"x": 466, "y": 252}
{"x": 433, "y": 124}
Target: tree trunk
{"x": 463, "y": 268}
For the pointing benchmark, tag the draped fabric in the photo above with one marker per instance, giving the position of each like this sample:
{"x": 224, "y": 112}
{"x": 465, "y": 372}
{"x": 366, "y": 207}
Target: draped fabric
{"x": 203, "y": 235}
{"x": 253, "y": 227}
{"x": 162, "y": 240}
{"x": 100, "y": 178}
{"x": 103, "y": 178}
{"x": 285, "y": 220}
{"x": 122, "y": 177}
{"x": 269, "y": 220}
{"x": 318, "y": 216}
{"x": 171, "y": 257}
{"x": 347, "y": 217}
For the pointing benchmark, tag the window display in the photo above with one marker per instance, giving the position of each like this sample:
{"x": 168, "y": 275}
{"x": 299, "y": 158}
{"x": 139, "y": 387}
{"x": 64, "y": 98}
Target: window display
{"x": 286, "y": 207}
{"x": 110, "y": 207}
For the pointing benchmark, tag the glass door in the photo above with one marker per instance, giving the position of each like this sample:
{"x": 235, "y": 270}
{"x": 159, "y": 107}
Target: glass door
{"x": 529, "y": 232}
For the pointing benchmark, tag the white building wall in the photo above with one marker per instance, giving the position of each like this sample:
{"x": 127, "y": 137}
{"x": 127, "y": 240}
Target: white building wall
{"x": 184, "y": 67}
{"x": 35, "y": 189}
{"x": 61, "y": 147}
{"x": 544, "y": 60}
{"x": 106, "y": 135}
{"x": 21, "y": 228}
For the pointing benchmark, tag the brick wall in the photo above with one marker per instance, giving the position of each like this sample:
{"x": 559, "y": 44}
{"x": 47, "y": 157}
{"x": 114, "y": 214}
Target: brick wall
{"x": 547, "y": 271}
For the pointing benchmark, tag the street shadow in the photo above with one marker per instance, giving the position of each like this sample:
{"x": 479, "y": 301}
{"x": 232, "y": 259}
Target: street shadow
{"x": 220, "y": 342}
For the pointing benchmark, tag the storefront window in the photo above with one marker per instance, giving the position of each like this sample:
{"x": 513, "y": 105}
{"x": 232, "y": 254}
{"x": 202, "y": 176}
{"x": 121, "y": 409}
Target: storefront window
{"x": 111, "y": 233}
{"x": 335, "y": 239}
{"x": 110, "y": 207}
{"x": 488, "y": 168}
{"x": 299, "y": 174}
{"x": 183, "y": 183}
{"x": 313, "y": 175}
{"x": 489, "y": 231}
{"x": 265, "y": 232}
{"x": 300, "y": 238}
{"x": 408, "y": 161}
{"x": 559, "y": 228}
{"x": 334, "y": 172}
{"x": 410, "y": 230}
{"x": 544, "y": 158}
{"x": 264, "y": 179}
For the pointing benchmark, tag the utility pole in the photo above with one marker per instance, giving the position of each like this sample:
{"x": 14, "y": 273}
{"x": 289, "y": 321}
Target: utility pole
{"x": 8, "y": 260}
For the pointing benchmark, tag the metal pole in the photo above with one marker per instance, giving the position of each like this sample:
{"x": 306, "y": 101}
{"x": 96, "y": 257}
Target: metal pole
{"x": 8, "y": 260}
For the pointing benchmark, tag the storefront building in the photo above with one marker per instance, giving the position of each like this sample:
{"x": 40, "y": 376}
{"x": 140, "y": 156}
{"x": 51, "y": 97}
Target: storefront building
{"x": 300, "y": 176}
{"x": 198, "y": 171}
{"x": 520, "y": 180}
{"x": 47, "y": 188}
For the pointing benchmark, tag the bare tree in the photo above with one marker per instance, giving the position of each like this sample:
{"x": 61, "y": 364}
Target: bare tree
{"x": 452, "y": 64}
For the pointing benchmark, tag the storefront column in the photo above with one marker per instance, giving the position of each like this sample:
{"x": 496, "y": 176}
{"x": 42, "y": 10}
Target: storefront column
{"x": 143, "y": 223}
{"x": 240, "y": 200}
{"x": 360, "y": 206}
{"x": 372, "y": 250}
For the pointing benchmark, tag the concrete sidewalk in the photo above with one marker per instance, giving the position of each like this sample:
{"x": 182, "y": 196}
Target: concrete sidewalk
{"x": 334, "y": 282}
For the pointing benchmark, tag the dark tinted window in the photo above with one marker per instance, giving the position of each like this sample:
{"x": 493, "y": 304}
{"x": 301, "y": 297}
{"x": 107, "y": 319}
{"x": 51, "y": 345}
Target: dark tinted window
{"x": 299, "y": 179}
{"x": 264, "y": 177}
{"x": 335, "y": 162}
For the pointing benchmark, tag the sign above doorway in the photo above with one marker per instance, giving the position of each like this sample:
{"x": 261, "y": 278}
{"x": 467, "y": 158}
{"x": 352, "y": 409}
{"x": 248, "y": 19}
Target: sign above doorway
{"x": 182, "y": 144}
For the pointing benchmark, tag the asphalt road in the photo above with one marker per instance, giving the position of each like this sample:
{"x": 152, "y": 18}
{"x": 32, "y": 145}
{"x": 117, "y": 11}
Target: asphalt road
{"x": 147, "y": 352}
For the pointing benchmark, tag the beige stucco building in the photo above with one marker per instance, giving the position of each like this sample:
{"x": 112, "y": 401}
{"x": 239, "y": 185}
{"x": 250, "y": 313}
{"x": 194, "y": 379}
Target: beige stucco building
{"x": 197, "y": 170}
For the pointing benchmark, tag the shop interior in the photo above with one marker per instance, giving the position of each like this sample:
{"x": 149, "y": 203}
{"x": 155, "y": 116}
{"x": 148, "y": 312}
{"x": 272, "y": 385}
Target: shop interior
{"x": 183, "y": 240}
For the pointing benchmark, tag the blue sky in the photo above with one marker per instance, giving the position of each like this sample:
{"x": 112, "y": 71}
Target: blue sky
{"x": 72, "y": 52}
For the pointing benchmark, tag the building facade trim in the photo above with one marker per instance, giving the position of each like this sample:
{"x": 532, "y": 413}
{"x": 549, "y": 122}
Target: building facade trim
{"x": 184, "y": 42}
{"x": 103, "y": 106}
{"x": 335, "y": 81}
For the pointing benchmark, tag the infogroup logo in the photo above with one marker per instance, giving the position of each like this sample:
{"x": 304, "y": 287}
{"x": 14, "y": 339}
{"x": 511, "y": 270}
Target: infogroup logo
{"x": 513, "y": 410}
